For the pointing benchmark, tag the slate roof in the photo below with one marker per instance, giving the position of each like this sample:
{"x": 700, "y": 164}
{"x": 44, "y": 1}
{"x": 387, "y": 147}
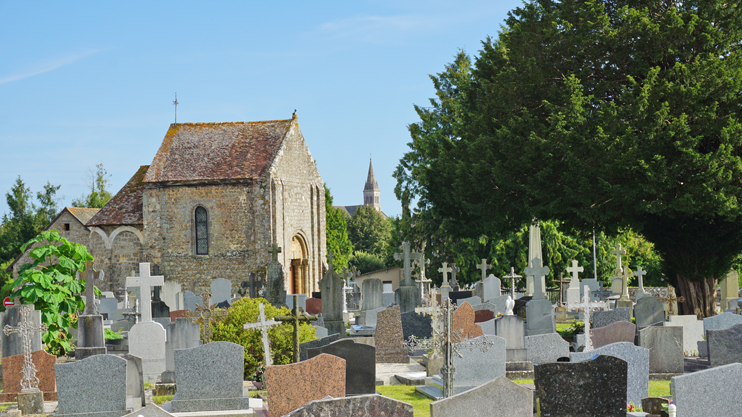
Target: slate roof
{"x": 125, "y": 208}
{"x": 217, "y": 151}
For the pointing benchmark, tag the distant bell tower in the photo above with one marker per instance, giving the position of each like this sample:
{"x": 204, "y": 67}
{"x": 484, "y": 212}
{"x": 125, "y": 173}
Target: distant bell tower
{"x": 371, "y": 191}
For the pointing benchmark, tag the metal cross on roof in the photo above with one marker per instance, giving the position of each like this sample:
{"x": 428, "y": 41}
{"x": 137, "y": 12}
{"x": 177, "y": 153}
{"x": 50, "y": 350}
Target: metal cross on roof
{"x": 205, "y": 314}
{"x": 26, "y": 329}
{"x": 263, "y": 325}
{"x": 175, "y": 103}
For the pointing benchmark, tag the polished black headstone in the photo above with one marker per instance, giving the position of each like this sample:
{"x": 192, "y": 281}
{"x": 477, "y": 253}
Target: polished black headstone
{"x": 416, "y": 324}
{"x": 360, "y": 364}
{"x": 458, "y": 295}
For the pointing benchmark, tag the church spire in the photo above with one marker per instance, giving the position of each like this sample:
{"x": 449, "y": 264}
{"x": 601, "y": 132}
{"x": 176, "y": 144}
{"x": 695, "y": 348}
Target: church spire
{"x": 371, "y": 192}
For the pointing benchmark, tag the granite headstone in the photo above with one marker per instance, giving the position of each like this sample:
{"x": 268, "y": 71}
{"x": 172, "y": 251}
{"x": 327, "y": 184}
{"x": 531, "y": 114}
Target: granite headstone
{"x": 359, "y": 405}
{"x": 477, "y": 367}
{"x": 371, "y": 290}
{"x": 602, "y": 318}
{"x": 94, "y": 385}
{"x": 304, "y": 347}
{"x": 647, "y": 311}
{"x": 388, "y": 337}
{"x": 221, "y": 290}
{"x": 710, "y": 392}
{"x": 692, "y": 332}
{"x": 637, "y": 359}
{"x": 416, "y": 324}
{"x": 725, "y": 346}
{"x": 544, "y": 348}
{"x": 619, "y": 331}
{"x": 665, "y": 346}
{"x": 360, "y": 364}
{"x": 498, "y": 397}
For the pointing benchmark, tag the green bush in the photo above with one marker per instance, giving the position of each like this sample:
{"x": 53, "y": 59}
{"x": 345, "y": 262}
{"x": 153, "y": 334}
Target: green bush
{"x": 246, "y": 310}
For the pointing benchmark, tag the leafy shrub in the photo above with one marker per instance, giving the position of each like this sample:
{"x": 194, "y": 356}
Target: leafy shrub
{"x": 111, "y": 335}
{"x": 246, "y": 310}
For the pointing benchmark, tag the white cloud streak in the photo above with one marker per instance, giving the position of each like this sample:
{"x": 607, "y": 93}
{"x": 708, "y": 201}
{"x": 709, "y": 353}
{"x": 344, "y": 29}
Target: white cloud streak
{"x": 47, "y": 66}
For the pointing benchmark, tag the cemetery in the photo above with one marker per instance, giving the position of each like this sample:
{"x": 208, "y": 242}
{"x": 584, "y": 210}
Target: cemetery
{"x": 222, "y": 281}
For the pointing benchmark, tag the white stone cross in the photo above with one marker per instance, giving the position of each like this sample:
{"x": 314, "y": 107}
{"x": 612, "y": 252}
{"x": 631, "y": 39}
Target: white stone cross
{"x": 26, "y": 328}
{"x": 625, "y": 284}
{"x": 445, "y": 270}
{"x": 484, "y": 266}
{"x": 619, "y": 253}
{"x": 537, "y": 271}
{"x": 264, "y": 325}
{"x": 640, "y": 274}
{"x": 89, "y": 276}
{"x": 575, "y": 271}
{"x": 586, "y": 305}
{"x": 406, "y": 256}
{"x": 512, "y": 277}
{"x": 145, "y": 282}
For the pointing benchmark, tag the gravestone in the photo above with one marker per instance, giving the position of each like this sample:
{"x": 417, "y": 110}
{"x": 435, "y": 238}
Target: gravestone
{"x": 324, "y": 341}
{"x": 331, "y": 287}
{"x": 172, "y": 295}
{"x": 371, "y": 294}
{"x": 302, "y": 301}
{"x": 637, "y": 359}
{"x": 370, "y": 316}
{"x": 665, "y": 346}
{"x": 12, "y": 344}
{"x": 721, "y": 321}
{"x": 90, "y": 340}
{"x": 692, "y": 332}
{"x": 221, "y": 290}
{"x": 539, "y": 310}
{"x": 359, "y": 405}
{"x": 360, "y": 364}
{"x": 729, "y": 288}
{"x": 725, "y": 346}
{"x": 107, "y": 307}
{"x": 463, "y": 322}
{"x": 499, "y": 397}
{"x": 416, "y": 324}
{"x": 292, "y": 386}
{"x": 12, "y": 375}
{"x": 513, "y": 330}
{"x": 93, "y": 386}
{"x": 473, "y": 301}
{"x": 181, "y": 334}
{"x": 313, "y": 305}
{"x": 407, "y": 295}
{"x": 483, "y": 315}
{"x": 602, "y": 318}
{"x": 209, "y": 378}
{"x": 477, "y": 367}
{"x": 275, "y": 292}
{"x": 620, "y": 331}
{"x": 147, "y": 338}
{"x": 490, "y": 287}
{"x": 546, "y": 348}
{"x": 500, "y": 303}
{"x": 388, "y": 337}
{"x": 595, "y": 387}
{"x": 488, "y": 327}
{"x": 150, "y": 410}
{"x": 191, "y": 301}
{"x": 320, "y": 331}
{"x": 710, "y": 392}
{"x": 648, "y": 311}
{"x": 573, "y": 291}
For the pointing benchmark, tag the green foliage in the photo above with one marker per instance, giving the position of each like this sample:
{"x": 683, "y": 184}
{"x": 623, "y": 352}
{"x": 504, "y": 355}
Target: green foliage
{"x": 25, "y": 219}
{"x": 6, "y": 281}
{"x": 367, "y": 262}
{"x": 109, "y": 334}
{"x": 370, "y": 231}
{"x": 337, "y": 233}
{"x": 604, "y": 115}
{"x": 50, "y": 284}
{"x": 98, "y": 183}
{"x": 246, "y": 310}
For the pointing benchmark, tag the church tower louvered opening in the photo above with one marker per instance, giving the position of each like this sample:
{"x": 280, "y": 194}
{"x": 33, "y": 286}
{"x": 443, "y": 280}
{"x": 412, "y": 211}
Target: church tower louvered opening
{"x": 371, "y": 192}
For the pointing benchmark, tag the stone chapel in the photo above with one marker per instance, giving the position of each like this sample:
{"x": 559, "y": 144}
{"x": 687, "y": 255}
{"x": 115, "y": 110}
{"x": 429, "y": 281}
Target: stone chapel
{"x": 211, "y": 204}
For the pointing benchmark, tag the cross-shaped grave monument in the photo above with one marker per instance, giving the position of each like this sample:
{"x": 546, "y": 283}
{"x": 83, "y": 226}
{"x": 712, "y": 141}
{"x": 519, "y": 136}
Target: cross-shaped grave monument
{"x": 671, "y": 300}
{"x": 295, "y": 318}
{"x": 561, "y": 282}
{"x": 537, "y": 271}
{"x": 586, "y": 305}
{"x": 640, "y": 277}
{"x": 90, "y": 336}
{"x": 346, "y": 287}
{"x": 205, "y": 314}
{"x": 406, "y": 256}
{"x": 30, "y": 395}
{"x": 145, "y": 282}
{"x": 454, "y": 283}
{"x": 422, "y": 280}
{"x": 445, "y": 288}
{"x": 484, "y": 266}
{"x": 512, "y": 277}
{"x": 264, "y": 325}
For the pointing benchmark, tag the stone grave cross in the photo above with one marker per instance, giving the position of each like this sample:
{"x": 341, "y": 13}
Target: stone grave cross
{"x": 537, "y": 271}
{"x": 205, "y": 314}
{"x": 484, "y": 266}
{"x": 671, "y": 299}
{"x": 625, "y": 275}
{"x": 406, "y": 256}
{"x": 145, "y": 282}
{"x": 640, "y": 276}
{"x": 264, "y": 325}
{"x": 345, "y": 288}
{"x": 575, "y": 270}
{"x": 619, "y": 253}
{"x": 454, "y": 270}
{"x": 26, "y": 329}
{"x": 561, "y": 282}
{"x": 254, "y": 285}
{"x": 274, "y": 251}
{"x": 586, "y": 305}
{"x": 512, "y": 277}
{"x": 445, "y": 270}
{"x": 422, "y": 280}
{"x": 295, "y": 318}
{"x": 88, "y": 275}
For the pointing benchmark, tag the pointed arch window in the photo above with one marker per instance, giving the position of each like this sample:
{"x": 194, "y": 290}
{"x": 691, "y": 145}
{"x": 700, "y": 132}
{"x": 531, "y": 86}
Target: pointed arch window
{"x": 202, "y": 231}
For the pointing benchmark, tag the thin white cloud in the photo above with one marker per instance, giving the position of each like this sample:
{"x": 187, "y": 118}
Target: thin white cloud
{"x": 377, "y": 28}
{"x": 47, "y": 66}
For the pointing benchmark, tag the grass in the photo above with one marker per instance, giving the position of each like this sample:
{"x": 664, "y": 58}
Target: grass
{"x": 161, "y": 399}
{"x": 254, "y": 394}
{"x": 149, "y": 385}
{"x": 406, "y": 393}
{"x": 523, "y": 381}
{"x": 659, "y": 388}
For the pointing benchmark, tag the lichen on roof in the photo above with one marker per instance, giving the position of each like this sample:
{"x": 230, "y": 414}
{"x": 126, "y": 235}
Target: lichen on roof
{"x": 217, "y": 151}
{"x": 125, "y": 208}
{"x": 83, "y": 214}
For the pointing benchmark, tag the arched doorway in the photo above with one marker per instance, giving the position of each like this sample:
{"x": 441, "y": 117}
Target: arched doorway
{"x": 299, "y": 270}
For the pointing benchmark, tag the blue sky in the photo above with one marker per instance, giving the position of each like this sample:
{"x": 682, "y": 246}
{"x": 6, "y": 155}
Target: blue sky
{"x": 83, "y": 83}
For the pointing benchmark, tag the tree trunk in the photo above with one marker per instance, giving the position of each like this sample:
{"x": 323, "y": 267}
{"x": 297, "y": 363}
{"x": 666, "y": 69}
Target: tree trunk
{"x": 700, "y": 296}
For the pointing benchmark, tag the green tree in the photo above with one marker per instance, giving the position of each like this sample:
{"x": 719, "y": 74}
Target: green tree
{"x": 98, "y": 183}
{"x": 336, "y": 229}
{"x": 370, "y": 232}
{"x": 51, "y": 285}
{"x": 367, "y": 262}
{"x": 602, "y": 114}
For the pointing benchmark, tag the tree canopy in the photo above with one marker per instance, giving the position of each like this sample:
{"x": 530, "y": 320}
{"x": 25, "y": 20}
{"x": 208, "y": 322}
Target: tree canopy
{"x": 336, "y": 230}
{"x": 98, "y": 183}
{"x": 601, "y": 114}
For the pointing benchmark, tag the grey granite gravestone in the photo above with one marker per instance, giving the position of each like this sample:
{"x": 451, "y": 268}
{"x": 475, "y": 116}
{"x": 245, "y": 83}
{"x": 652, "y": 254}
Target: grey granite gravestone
{"x": 513, "y": 330}
{"x": 221, "y": 290}
{"x": 304, "y": 347}
{"x": 665, "y": 346}
{"x": 620, "y": 331}
{"x": 150, "y": 410}
{"x": 721, "y": 321}
{"x": 416, "y": 324}
{"x": 191, "y": 300}
{"x": 371, "y": 316}
{"x": 360, "y": 405}
{"x": 595, "y": 387}
{"x": 108, "y": 306}
{"x": 209, "y": 378}
{"x": 331, "y": 287}
{"x": 602, "y": 318}
{"x": 725, "y": 346}
{"x": 172, "y": 295}
{"x": 320, "y": 331}
{"x": 692, "y": 332}
{"x": 181, "y": 334}
{"x": 360, "y": 364}
{"x": 710, "y": 392}
{"x": 490, "y": 287}
{"x": 500, "y": 303}
{"x": 147, "y": 340}
{"x": 637, "y": 359}
{"x": 12, "y": 344}
{"x": 135, "y": 396}
{"x": 473, "y": 300}
{"x": 648, "y": 311}
{"x": 546, "y": 348}
{"x": 371, "y": 294}
{"x": 92, "y": 386}
{"x": 539, "y": 317}
{"x": 275, "y": 291}
{"x": 302, "y": 301}
{"x": 499, "y": 397}
{"x": 477, "y": 367}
